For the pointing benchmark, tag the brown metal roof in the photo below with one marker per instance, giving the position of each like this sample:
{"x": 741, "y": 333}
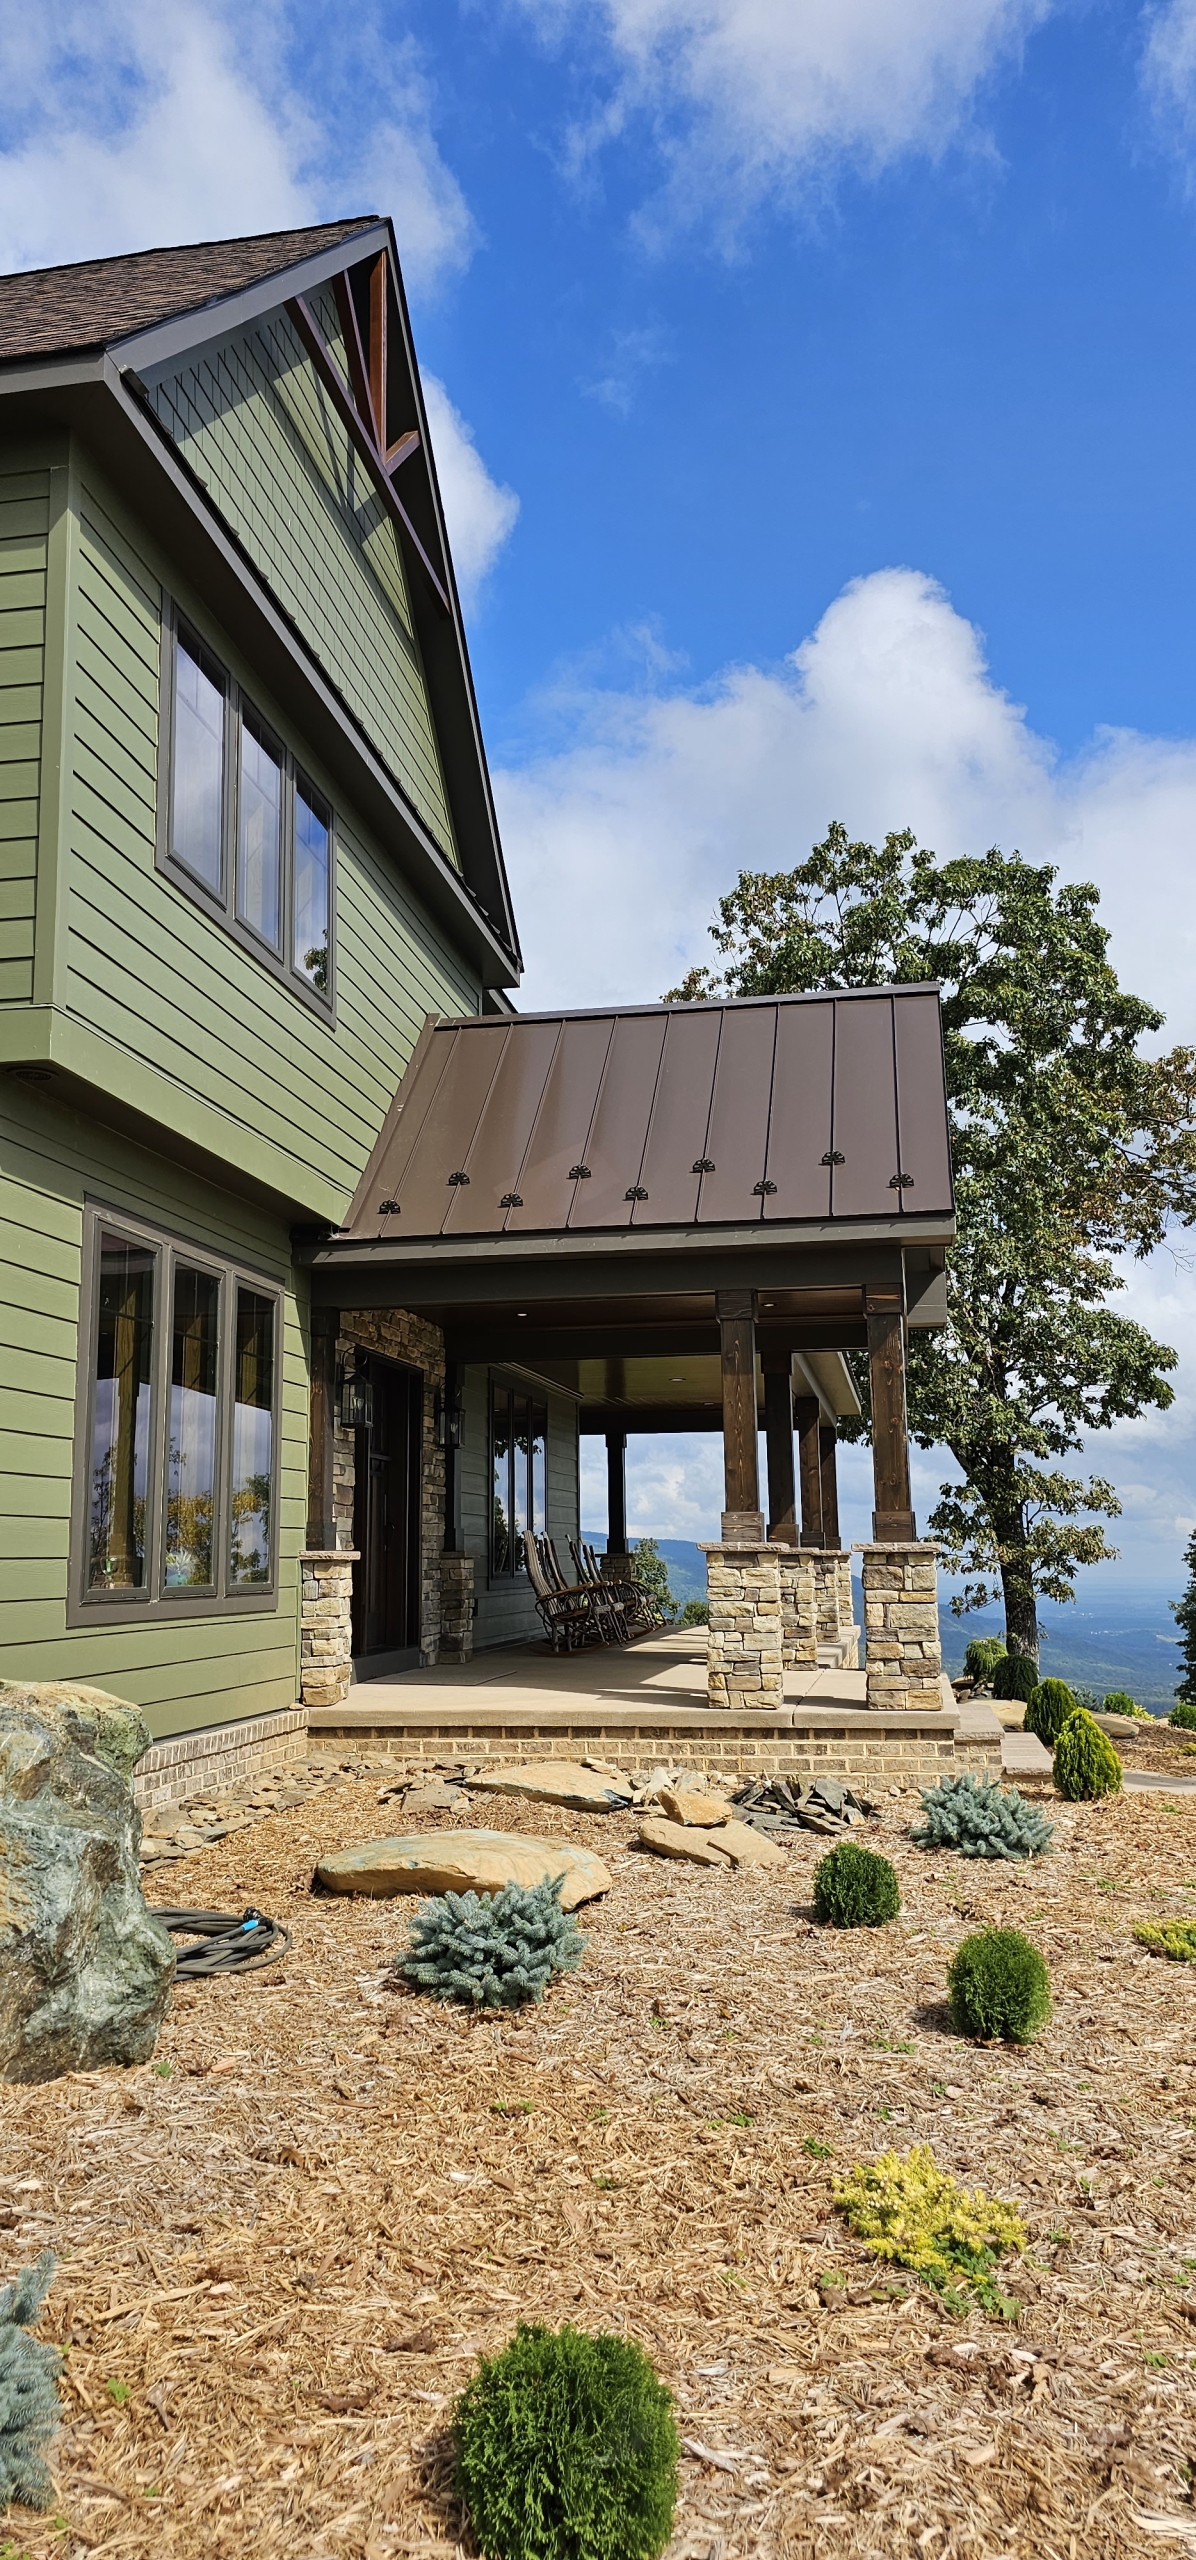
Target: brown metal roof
{"x": 63, "y": 310}
{"x": 778, "y": 1110}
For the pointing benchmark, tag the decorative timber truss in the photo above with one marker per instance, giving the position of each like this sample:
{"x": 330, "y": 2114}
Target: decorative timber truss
{"x": 371, "y": 403}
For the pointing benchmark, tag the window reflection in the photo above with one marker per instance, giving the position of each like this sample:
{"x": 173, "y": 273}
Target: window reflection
{"x": 121, "y": 1416}
{"x": 191, "y": 1445}
{"x": 251, "y": 1556}
{"x": 197, "y": 781}
{"x": 313, "y": 847}
{"x": 500, "y": 1544}
{"x": 519, "y": 1435}
{"x": 259, "y": 834}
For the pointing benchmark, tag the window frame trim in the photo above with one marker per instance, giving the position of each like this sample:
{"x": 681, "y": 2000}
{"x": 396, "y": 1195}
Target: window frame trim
{"x": 222, "y": 907}
{"x": 537, "y": 1402}
{"x": 155, "y": 1602}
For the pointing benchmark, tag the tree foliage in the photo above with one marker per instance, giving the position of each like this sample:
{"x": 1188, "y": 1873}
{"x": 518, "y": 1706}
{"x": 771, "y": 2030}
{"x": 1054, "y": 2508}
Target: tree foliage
{"x": 652, "y": 1574}
{"x": 1072, "y": 1149}
{"x": 1184, "y": 1613}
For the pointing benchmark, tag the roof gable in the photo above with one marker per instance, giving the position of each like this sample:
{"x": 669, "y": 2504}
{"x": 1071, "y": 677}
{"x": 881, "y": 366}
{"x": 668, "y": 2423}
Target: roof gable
{"x": 48, "y": 311}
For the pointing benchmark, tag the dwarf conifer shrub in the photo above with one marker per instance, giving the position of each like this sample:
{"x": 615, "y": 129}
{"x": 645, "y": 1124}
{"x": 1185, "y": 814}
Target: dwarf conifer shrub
{"x": 982, "y": 1656}
{"x": 1119, "y": 1703}
{"x": 855, "y": 1888}
{"x": 1183, "y": 1715}
{"x": 1015, "y": 1676}
{"x": 1047, "y": 1710}
{"x": 30, "y": 2409}
{"x": 1174, "y": 1938}
{"x": 998, "y": 1985}
{"x": 567, "y": 2449}
{"x": 1085, "y": 1764}
{"x": 493, "y": 1950}
{"x": 915, "y": 2214}
{"x": 981, "y": 1820}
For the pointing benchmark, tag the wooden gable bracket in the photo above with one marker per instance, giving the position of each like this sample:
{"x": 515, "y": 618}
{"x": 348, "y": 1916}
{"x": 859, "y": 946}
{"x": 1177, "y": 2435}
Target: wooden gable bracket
{"x": 360, "y": 403}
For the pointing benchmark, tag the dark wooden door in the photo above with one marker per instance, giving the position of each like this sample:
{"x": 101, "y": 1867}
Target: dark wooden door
{"x": 386, "y": 1522}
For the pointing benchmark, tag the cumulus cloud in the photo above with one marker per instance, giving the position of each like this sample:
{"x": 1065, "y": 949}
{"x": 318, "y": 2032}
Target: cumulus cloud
{"x": 760, "y": 96}
{"x": 1169, "y": 70}
{"x": 127, "y": 125}
{"x": 478, "y": 511}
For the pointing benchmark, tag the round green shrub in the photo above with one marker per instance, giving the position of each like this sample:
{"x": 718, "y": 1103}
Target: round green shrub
{"x": 1047, "y": 1710}
{"x": 998, "y": 1985}
{"x": 1015, "y": 1676}
{"x": 1085, "y": 1764}
{"x": 1118, "y": 1702}
{"x": 1183, "y": 1715}
{"x": 855, "y": 1888}
{"x": 982, "y": 1656}
{"x": 567, "y": 2449}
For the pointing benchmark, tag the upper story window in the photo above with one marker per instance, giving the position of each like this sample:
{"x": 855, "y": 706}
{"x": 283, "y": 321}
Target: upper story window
{"x": 244, "y": 829}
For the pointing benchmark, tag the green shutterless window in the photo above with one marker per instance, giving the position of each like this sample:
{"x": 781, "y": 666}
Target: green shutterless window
{"x": 313, "y": 880}
{"x": 192, "y": 1431}
{"x": 122, "y": 1395}
{"x": 259, "y": 832}
{"x": 197, "y": 771}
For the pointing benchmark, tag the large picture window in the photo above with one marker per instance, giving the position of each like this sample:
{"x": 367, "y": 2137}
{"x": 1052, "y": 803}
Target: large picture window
{"x": 243, "y": 830}
{"x": 178, "y": 1430}
{"x": 519, "y": 1445}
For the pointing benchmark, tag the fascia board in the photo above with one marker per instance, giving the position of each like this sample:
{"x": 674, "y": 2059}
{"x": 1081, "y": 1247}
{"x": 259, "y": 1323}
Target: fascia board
{"x": 53, "y": 373}
{"x": 433, "y": 875}
{"x": 148, "y": 350}
{"x": 627, "y": 1245}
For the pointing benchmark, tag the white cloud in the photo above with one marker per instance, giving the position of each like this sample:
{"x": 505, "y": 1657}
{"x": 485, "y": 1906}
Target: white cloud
{"x": 1169, "y": 70}
{"x": 479, "y": 513}
{"x": 128, "y": 125}
{"x": 761, "y": 94}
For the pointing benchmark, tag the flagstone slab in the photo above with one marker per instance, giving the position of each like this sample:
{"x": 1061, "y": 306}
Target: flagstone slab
{"x": 463, "y": 1862}
{"x": 556, "y": 1782}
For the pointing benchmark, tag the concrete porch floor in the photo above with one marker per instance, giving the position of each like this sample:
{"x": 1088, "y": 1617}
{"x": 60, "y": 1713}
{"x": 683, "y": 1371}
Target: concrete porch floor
{"x": 666, "y": 1671}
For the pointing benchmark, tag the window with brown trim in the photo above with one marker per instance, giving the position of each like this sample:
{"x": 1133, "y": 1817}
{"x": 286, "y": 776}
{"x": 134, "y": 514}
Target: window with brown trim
{"x": 177, "y": 1489}
{"x": 242, "y": 829}
{"x": 519, "y": 1445}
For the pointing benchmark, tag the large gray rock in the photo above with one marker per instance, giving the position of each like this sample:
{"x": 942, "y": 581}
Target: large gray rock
{"x": 85, "y": 1969}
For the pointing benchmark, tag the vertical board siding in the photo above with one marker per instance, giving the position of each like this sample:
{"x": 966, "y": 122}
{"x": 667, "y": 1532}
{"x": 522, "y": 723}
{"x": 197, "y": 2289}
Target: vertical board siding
{"x": 24, "y": 535}
{"x": 506, "y": 1608}
{"x": 255, "y": 424}
{"x": 149, "y": 969}
{"x": 186, "y": 1672}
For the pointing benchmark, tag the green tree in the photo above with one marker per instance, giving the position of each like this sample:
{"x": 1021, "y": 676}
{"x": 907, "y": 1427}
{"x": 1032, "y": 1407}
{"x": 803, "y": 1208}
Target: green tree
{"x": 1184, "y": 1613}
{"x": 652, "y": 1573}
{"x": 1071, "y": 1148}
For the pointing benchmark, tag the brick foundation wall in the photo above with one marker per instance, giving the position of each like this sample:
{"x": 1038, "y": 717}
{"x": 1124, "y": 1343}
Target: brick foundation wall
{"x": 867, "y": 1750}
{"x": 196, "y": 1764}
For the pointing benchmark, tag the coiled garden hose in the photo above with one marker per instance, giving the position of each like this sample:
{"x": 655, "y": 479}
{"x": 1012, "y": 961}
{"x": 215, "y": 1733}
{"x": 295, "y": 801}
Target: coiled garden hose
{"x": 222, "y": 1943}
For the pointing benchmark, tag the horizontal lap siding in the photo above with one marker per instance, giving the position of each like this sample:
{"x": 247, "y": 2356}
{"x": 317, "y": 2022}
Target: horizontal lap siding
{"x": 186, "y": 1673}
{"x": 256, "y": 425}
{"x": 506, "y": 1608}
{"x": 147, "y": 967}
{"x": 24, "y": 530}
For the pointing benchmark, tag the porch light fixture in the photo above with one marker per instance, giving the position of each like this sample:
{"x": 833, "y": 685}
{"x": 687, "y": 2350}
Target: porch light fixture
{"x": 447, "y": 1421}
{"x": 356, "y": 1401}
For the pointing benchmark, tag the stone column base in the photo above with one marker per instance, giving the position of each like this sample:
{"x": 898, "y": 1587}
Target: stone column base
{"x": 827, "y": 1564}
{"x": 456, "y": 1606}
{"x": 744, "y": 1644}
{"x": 799, "y": 1630}
{"x": 903, "y": 1658}
{"x": 326, "y": 1625}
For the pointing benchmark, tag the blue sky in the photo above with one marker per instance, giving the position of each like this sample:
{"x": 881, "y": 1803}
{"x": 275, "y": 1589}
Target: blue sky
{"x": 812, "y": 392}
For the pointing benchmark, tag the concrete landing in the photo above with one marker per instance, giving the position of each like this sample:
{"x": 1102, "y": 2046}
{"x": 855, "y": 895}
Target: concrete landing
{"x": 1024, "y": 1756}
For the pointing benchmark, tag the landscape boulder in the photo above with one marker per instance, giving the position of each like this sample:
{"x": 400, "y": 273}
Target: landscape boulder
{"x": 461, "y": 1862}
{"x": 731, "y": 1844}
{"x": 85, "y": 1969}
{"x": 694, "y": 1807}
{"x": 564, "y": 1782}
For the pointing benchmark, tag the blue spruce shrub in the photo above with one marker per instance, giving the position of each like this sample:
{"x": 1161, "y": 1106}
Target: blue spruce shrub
{"x": 30, "y": 2409}
{"x": 981, "y": 1820}
{"x": 493, "y": 1950}
{"x": 567, "y": 2449}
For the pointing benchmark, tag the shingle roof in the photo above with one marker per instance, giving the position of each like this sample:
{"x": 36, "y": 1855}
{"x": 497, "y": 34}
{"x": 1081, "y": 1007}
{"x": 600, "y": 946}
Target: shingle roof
{"x": 64, "y": 310}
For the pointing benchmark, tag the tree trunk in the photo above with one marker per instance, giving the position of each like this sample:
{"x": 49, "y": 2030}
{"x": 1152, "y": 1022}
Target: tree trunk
{"x": 1017, "y": 1584}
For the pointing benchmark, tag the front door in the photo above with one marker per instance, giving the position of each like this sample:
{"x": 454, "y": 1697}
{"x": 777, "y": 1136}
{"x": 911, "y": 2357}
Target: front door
{"x": 386, "y": 1524}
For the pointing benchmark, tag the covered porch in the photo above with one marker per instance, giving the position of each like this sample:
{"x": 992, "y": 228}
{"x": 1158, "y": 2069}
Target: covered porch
{"x": 681, "y": 1218}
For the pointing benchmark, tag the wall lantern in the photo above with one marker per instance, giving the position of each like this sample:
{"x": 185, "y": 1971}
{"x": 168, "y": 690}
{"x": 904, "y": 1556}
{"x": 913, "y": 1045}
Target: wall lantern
{"x": 356, "y": 1401}
{"x": 447, "y": 1420}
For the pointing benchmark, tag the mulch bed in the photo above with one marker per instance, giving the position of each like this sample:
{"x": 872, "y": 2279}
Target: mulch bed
{"x": 284, "y": 2242}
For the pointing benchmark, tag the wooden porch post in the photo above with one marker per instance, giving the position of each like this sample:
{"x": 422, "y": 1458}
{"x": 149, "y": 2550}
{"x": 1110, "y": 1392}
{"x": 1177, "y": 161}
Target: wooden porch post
{"x": 808, "y": 1415}
{"x": 778, "y": 1442}
{"x": 828, "y": 1443}
{"x": 743, "y": 1520}
{"x": 893, "y": 1516}
{"x": 616, "y": 1493}
{"x": 321, "y": 1517}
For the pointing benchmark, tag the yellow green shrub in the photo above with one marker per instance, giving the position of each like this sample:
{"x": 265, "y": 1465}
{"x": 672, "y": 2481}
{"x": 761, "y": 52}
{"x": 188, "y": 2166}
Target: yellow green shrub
{"x": 915, "y": 2214}
{"x": 1174, "y": 1938}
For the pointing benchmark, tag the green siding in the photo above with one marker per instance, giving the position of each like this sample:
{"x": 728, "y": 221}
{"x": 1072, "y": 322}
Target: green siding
{"x": 256, "y": 426}
{"x": 148, "y": 969}
{"x": 185, "y": 1672}
{"x": 24, "y": 534}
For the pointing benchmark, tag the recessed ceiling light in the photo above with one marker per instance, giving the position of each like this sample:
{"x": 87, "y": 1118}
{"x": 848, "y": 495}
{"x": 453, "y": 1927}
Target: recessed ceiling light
{"x": 676, "y": 1382}
{"x": 521, "y": 1311}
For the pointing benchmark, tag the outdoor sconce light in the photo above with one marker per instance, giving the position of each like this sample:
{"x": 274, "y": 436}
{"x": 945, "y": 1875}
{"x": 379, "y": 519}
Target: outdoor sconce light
{"x": 446, "y": 1421}
{"x": 357, "y": 1402}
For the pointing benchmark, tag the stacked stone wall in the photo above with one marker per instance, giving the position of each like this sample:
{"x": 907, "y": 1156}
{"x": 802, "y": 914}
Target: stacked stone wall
{"x": 744, "y": 1652}
{"x": 903, "y": 1658}
{"x": 798, "y": 1575}
{"x": 326, "y": 1625}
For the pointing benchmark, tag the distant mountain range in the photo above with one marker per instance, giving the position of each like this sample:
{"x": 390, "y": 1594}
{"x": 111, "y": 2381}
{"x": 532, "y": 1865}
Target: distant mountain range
{"x": 1123, "y": 1640}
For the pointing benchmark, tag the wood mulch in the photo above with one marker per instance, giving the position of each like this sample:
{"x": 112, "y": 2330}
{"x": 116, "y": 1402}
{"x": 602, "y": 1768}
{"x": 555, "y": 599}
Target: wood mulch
{"x": 283, "y": 2243}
